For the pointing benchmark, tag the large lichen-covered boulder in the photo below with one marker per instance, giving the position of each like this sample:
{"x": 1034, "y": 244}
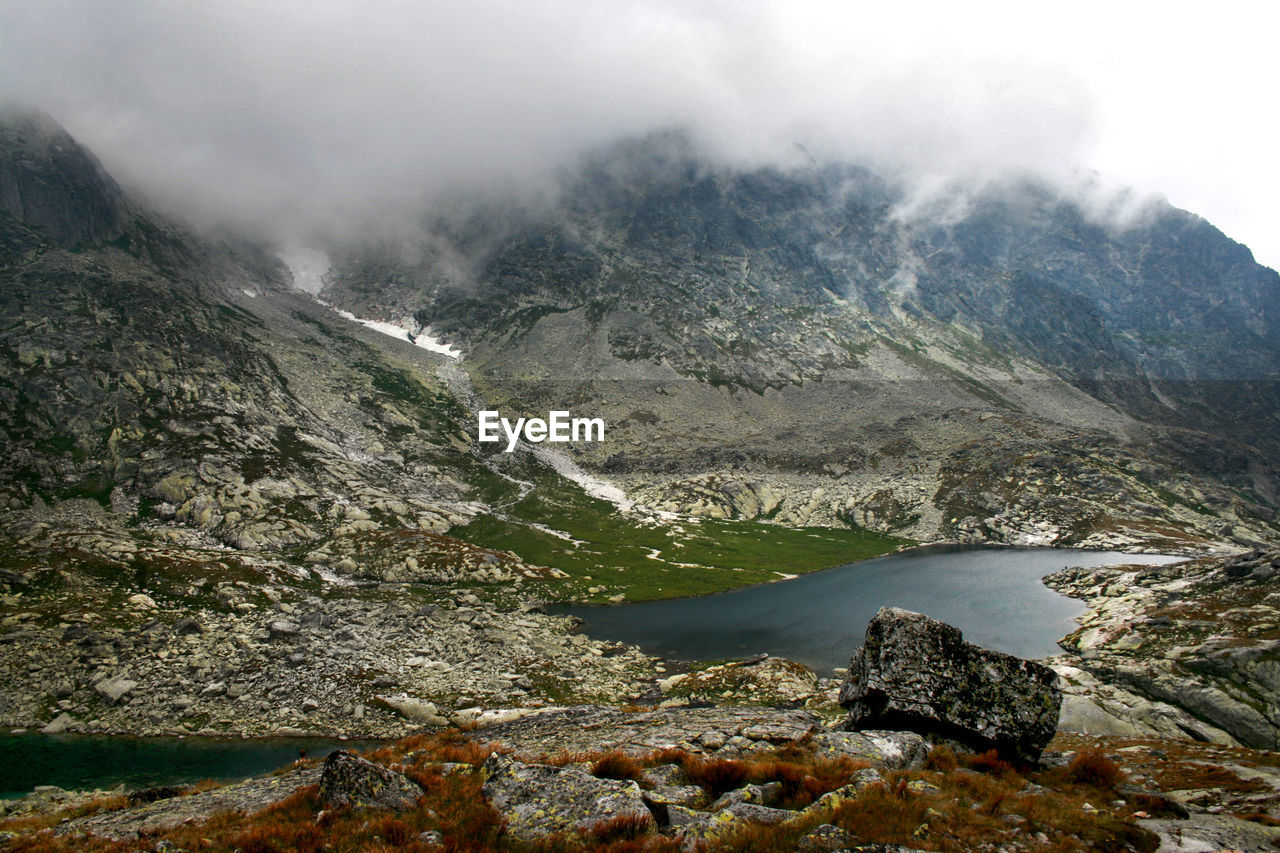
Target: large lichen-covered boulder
{"x": 918, "y": 674}
{"x": 538, "y": 800}
{"x": 349, "y": 781}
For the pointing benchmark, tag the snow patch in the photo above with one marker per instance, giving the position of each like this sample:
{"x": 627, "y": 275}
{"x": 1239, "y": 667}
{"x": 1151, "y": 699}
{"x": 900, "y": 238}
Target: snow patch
{"x": 559, "y": 534}
{"x": 252, "y": 294}
{"x": 330, "y": 577}
{"x": 597, "y": 488}
{"x": 308, "y": 267}
{"x": 423, "y": 338}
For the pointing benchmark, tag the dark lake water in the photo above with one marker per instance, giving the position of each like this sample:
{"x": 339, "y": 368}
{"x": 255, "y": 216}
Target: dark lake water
{"x": 97, "y": 761}
{"x": 994, "y": 595}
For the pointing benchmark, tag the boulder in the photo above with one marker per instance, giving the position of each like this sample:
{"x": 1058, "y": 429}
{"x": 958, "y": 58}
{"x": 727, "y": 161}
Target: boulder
{"x": 115, "y": 688}
{"x": 59, "y": 724}
{"x": 698, "y": 828}
{"x": 918, "y": 674}
{"x": 151, "y": 795}
{"x": 349, "y": 781}
{"x": 826, "y": 839}
{"x": 538, "y": 800}
{"x": 761, "y": 795}
{"x": 756, "y": 813}
{"x": 413, "y": 709}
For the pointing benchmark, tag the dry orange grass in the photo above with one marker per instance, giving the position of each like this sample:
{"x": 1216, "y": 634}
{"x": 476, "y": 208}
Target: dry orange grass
{"x": 618, "y": 765}
{"x": 957, "y": 803}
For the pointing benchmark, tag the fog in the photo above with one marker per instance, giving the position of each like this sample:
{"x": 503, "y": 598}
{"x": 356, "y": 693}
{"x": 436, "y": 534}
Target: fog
{"x": 298, "y": 117}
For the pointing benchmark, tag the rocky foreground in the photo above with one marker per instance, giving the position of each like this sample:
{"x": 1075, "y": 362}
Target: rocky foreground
{"x": 730, "y": 778}
{"x": 377, "y": 660}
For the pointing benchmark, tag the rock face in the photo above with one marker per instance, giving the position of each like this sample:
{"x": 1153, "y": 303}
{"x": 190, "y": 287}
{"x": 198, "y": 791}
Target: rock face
{"x": 892, "y": 750}
{"x": 53, "y": 184}
{"x": 807, "y": 285}
{"x": 1177, "y": 651}
{"x": 538, "y": 800}
{"x": 349, "y": 781}
{"x": 917, "y": 673}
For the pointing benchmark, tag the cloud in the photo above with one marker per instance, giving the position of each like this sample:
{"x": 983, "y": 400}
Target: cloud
{"x": 297, "y": 115}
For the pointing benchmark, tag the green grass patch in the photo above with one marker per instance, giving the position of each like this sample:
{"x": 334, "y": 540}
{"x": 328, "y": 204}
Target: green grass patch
{"x": 646, "y": 559}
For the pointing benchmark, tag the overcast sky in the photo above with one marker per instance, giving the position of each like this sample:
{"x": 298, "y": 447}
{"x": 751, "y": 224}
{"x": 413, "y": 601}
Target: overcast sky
{"x": 291, "y": 114}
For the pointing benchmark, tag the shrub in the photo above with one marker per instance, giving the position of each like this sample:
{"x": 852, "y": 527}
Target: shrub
{"x": 1092, "y": 767}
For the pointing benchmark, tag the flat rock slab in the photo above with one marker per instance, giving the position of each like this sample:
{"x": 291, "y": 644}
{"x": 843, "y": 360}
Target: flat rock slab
{"x": 589, "y": 728}
{"x": 917, "y": 673}
{"x": 1205, "y": 832}
{"x": 891, "y": 750}
{"x": 244, "y": 798}
{"x": 537, "y": 800}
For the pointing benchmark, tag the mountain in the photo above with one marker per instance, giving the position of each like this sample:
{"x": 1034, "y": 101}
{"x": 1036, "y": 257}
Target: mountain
{"x": 230, "y": 508}
{"x": 214, "y": 488}
{"x": 50, "y": 183}
{"x": 226, "y": 506}
{"x": 815, "y": 345}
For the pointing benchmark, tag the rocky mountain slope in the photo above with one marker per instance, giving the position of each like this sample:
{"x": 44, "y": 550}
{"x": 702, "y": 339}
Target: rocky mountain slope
{"x": 812, "y": 345}
{"x": 212, "y": 484}
{"x": 225, "y": 507}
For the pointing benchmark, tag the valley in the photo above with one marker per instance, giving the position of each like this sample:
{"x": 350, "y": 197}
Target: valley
{"x": 246, "y": 497}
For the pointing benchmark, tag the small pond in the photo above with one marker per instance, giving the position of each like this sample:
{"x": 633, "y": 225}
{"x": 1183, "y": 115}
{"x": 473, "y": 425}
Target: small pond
{"x": 99, "y": 761}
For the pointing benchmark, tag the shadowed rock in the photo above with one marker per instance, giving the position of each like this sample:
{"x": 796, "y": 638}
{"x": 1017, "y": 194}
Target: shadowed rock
{"x": 349, "y": 781}
{"x": 917, "y": 673}
{"x": 48, "y": 181}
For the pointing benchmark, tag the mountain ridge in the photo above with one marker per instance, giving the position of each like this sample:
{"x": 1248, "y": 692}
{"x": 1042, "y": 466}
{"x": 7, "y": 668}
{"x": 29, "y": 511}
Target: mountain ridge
{"x": 802, "y": 295}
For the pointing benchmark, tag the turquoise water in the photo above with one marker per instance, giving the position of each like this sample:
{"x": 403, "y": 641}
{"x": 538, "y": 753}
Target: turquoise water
{"x": 98, "y": 761}
{"x": 994, "y": 595}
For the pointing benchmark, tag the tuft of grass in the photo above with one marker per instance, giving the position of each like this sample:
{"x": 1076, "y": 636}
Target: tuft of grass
{"x": 942, "y": 759}
{"x": 989, "y": 762}
{"x": 289, "y": 825}
{"x": 622, "y": 828}
{"x": 883, "y": 814}
{"x": 717, "y": 775}
{"x": 1262, "y": 818}
{"x": 805, "y": 779}
{"x": 617, "y": 765}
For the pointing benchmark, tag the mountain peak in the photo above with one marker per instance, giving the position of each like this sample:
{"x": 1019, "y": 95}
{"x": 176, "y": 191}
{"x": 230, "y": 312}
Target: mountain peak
{"x": 51, "y": 183}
